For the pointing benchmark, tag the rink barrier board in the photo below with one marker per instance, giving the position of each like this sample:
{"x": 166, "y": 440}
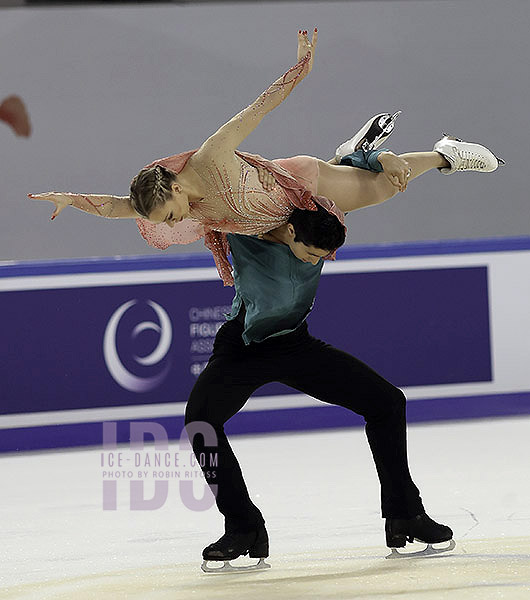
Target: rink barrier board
{"x": 267, "y": 422}
{"x": 453, "y": 284}
{"x": 201, "y": 260}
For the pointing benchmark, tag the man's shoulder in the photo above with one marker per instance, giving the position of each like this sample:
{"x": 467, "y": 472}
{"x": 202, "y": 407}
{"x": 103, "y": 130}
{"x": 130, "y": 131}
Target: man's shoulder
{"x": 239, "y": 238}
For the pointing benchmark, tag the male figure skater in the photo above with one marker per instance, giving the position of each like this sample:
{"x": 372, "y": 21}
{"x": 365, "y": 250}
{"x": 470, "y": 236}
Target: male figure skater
{"x": 266, "y": 339}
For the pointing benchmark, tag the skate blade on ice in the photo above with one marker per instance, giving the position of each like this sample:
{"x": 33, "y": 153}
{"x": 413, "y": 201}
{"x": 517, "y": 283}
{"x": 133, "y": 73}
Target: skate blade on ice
{"x": 429, "y": 551}
{"x": 228, "y": 568}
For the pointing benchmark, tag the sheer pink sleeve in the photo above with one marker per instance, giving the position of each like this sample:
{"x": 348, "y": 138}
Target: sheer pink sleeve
{"x": 218, "y": 245}
{"x": 162, "y": 236}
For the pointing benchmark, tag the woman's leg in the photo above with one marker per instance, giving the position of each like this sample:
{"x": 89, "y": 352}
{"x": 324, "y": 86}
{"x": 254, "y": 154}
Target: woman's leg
{"x": 352, "y": 188}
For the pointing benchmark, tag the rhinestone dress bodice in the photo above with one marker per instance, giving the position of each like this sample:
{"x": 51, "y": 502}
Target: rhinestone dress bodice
{"x": 239, "y": 207}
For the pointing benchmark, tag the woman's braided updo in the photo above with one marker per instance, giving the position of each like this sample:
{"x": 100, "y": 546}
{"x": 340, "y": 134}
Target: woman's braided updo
{"x": 151, "y": 188}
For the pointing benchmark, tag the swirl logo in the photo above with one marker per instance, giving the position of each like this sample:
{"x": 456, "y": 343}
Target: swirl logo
{"x": 122, "y": 376}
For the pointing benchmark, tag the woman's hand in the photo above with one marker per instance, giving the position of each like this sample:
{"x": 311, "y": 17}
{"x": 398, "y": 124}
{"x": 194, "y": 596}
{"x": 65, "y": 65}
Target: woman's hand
{"x": 305, "y": 46}
{"x": 60, "y": 200}
{"x": 396, "y": 169}
{"x": 266, "y": 178}
{"x": 231, "y": 134}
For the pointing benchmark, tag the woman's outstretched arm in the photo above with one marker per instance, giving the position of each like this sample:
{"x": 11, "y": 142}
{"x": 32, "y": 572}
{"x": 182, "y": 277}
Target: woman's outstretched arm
{"x": 231, "y": 134}
{"x": 112, "y": 207}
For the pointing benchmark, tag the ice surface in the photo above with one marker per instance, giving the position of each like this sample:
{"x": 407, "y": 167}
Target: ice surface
{"x": 322, "y": 515}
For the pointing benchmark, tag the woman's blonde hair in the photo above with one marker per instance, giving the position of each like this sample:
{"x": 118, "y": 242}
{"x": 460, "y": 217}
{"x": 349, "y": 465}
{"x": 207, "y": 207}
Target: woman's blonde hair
{"x": 151, "y": 188}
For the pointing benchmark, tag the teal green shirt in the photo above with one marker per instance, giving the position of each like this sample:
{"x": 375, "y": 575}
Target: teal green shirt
{"x": 277, "y": 288}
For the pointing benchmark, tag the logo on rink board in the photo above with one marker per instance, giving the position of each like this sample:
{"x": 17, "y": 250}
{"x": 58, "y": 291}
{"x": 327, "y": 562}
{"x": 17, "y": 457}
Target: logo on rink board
{"x": 138, "y": 382}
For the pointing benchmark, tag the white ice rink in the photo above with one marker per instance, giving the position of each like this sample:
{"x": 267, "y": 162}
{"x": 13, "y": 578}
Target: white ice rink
{"x": 327, "y": 538}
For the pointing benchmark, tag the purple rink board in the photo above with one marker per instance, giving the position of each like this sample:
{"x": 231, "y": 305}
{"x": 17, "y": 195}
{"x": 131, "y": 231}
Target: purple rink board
{"x": 135, "y": 344}
{"x": 420, "y": 327}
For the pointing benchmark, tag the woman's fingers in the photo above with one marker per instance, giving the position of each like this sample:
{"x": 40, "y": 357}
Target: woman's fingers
{"x": 44, "y": 196}
{"x": 266, "y": 179}
{"x": 58, "y": 209}
{"x": 304, "y": 40}
{"x": 270, "y": 182}
{"x": 51, "y": 197}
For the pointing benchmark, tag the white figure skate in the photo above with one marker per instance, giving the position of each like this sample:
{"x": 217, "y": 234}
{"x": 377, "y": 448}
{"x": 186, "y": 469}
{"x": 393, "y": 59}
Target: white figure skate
{"x": 466, "y": 156}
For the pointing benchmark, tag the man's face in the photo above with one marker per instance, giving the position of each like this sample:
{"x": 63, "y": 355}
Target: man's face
{"x": 307, "y": 254}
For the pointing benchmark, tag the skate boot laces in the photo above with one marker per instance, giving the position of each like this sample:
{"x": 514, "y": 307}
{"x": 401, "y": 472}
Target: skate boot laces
{"x": 469, "y": 160}
{"x": 466, "y": 156}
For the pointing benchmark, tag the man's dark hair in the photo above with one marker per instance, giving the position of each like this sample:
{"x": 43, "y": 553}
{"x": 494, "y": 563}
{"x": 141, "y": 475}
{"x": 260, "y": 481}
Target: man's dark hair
{"x": 317, "y": 228}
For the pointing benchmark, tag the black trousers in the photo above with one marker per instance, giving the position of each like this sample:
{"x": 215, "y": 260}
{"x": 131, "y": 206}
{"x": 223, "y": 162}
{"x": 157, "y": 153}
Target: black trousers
{"x": 311, "y": 366}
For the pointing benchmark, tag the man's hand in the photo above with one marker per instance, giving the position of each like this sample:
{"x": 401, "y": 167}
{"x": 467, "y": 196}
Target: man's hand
{"x": 396, "y": 169}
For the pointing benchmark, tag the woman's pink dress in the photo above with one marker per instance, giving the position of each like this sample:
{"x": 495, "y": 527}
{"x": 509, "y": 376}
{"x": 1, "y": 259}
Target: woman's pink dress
{"x": 249, "y": 210}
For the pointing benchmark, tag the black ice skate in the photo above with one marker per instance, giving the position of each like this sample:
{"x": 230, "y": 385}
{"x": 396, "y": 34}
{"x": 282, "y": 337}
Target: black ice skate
{"x": 234, "y": 544}
{"x": 422, "y": 529}
{"x": 371, "y": 135}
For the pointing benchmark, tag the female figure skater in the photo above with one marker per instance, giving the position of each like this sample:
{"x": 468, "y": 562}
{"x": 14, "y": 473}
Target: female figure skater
{"x": 217, "y": 189}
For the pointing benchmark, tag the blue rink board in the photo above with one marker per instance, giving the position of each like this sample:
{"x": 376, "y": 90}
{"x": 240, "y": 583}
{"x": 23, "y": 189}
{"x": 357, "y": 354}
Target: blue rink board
{"x": 417, "y": 327}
